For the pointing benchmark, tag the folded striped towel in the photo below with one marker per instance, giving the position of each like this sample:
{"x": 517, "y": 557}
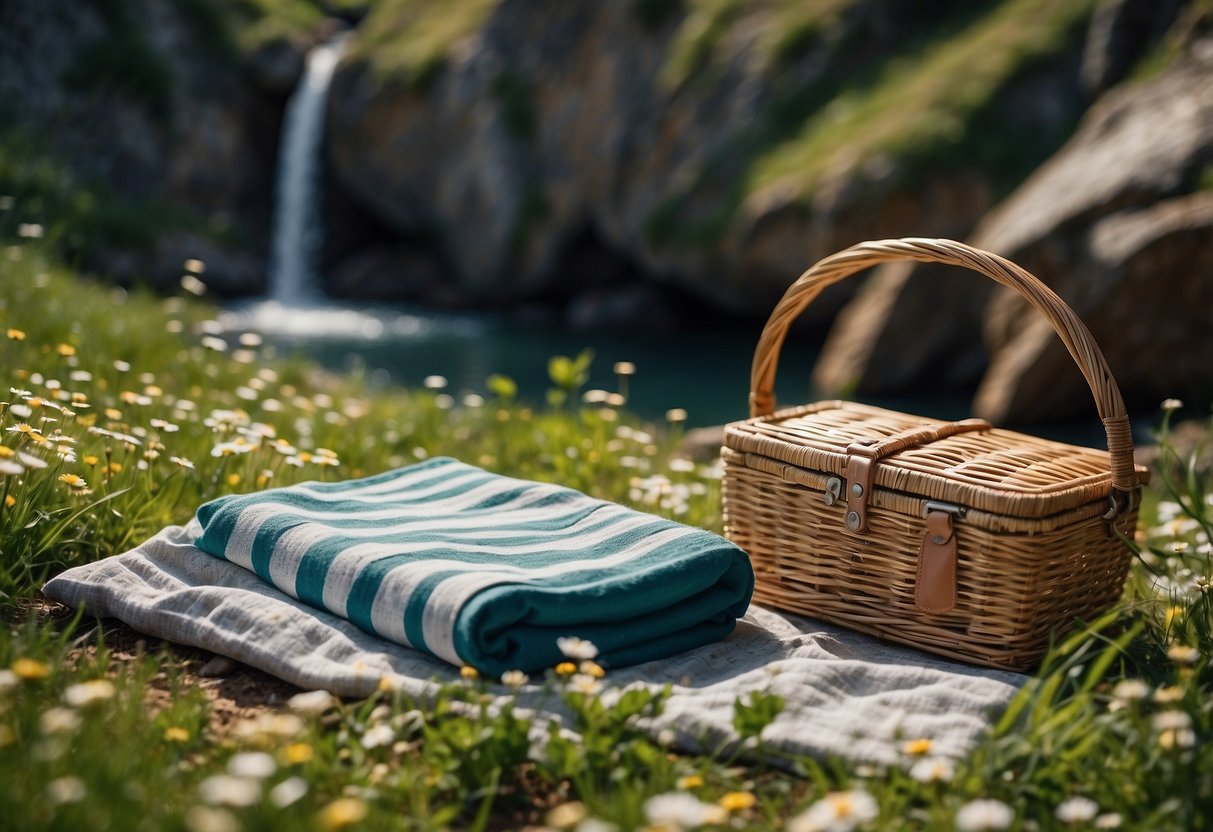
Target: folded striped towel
{"x": 485, "y": 570}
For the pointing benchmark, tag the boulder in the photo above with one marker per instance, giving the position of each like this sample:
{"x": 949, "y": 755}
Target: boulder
{"x": 1142, "y": 146}
{"x": 1148, "y": 302}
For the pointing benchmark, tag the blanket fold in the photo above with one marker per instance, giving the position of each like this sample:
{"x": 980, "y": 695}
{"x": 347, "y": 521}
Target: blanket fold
{"x": 486, "y": 570}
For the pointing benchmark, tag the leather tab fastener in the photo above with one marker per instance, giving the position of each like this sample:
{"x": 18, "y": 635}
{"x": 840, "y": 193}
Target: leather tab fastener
{"x": 935, "y": 590}
{"x": 858, "y": 491}
{"x": 864, "y": 454}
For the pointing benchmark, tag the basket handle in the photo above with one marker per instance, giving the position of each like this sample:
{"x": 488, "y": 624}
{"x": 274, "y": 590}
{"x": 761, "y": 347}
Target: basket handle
{"x": 1073, "y": 332}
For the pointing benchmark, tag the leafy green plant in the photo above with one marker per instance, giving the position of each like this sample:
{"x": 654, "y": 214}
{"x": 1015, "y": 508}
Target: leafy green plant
{"x": 568, "y": 375}
{"x": 754, "y": 712}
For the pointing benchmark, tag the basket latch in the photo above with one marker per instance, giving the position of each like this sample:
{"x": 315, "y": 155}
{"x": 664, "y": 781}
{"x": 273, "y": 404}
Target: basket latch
{"x": 863, "y": 455}
{"x": 860, "y": 461}
{"x": 935, "y": 587}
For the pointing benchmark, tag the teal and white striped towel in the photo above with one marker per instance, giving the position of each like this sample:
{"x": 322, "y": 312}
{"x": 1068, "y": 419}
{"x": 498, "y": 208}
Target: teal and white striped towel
{"x": 485, "y": 570}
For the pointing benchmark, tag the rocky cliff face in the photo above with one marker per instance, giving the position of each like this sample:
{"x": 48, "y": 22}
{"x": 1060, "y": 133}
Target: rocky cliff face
{"x": 672, "y": 137}
{"x": 610, "y": 158}
{"x": 1117, "y": 223}
{"x": 145, "y": 109}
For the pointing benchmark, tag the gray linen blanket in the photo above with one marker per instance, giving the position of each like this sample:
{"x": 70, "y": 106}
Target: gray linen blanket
{"x": 846, "y": 695}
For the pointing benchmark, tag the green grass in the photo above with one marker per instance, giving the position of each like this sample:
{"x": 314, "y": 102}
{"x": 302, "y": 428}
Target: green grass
{"x": 1195, "y": 17}
{"x": 230, "y": 28}
{"x": 925, "y": 102}
{"x": 788, "y": 29}
{"x": 76, "y": 214}
{"x": 141, "y": 752}
{"x": 407, "y": 42}
{"x": 930, "y": 102}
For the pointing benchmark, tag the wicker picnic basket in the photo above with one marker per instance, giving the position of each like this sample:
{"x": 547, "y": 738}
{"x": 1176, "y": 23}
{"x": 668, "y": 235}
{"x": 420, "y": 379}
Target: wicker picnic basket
{"x": 957, "y": 538}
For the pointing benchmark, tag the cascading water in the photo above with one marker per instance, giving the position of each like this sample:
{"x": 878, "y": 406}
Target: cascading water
{"x": 298, "y": 231}
{"x": 402, "y": 345}
{"x": 297, "y": 220}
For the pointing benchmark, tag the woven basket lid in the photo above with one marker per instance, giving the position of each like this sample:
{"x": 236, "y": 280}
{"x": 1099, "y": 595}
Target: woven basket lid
{"x": 998, "y": 471}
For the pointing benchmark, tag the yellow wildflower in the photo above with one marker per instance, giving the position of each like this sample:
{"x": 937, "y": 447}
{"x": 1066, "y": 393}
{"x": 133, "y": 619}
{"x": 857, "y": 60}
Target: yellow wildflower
{"x": 1172, "y": 614}
{"x": 6, "y": 452}
{"x": 15, "y": 334}
{"x": 691, "y": 781}
{"x": 233, "y": 480}
{"x": 566, "y": 669}
{"x": 10, "y": 500}
{"x": 1168, "y": 695}
{"x": 30, "y": 669}
{"x": 917, "y": 747}
{"x": 297, "y": 753}
{"x": 343, "y": 812}
{"x": 65, "y": 350}
{"x": 468, "y": 672}
{"x": 76, "y": 484}
{"x": 737, "y": 801}
{"x": 90, "y": 460}
{"x": 176, "y": 733}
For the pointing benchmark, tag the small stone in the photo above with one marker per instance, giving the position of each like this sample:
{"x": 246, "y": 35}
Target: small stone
{"x": 217, "y": 666}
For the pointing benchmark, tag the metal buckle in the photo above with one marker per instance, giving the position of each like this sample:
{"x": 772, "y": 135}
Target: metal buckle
{"x": 936, "y": 505}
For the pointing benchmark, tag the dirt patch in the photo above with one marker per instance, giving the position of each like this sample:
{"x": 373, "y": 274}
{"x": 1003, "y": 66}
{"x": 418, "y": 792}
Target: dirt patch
{"x": 235, "y": 691}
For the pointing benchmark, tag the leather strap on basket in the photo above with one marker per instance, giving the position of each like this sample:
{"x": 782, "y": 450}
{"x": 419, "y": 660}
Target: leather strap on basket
{"x": 863, "y": 455}
{"x": 1073, "y": 332}
{"x": 935, "y": 586}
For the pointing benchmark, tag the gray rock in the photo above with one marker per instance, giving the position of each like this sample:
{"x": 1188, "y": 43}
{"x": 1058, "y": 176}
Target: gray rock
{"x": 1147, "y": 300}
{"x": 1120, "y": 33}
{"x": 399, "y": 272}
{"x": 636, "y": 307}
{"x": 277, "y": 65}
{"x": 702, "y": 444}
{"x": 217, "y": 666}
{"x": 1141, "y": 146}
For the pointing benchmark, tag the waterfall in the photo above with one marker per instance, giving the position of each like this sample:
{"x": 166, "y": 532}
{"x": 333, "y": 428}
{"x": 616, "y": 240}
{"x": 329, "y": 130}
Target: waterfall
{"x": 297, "y": 219}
